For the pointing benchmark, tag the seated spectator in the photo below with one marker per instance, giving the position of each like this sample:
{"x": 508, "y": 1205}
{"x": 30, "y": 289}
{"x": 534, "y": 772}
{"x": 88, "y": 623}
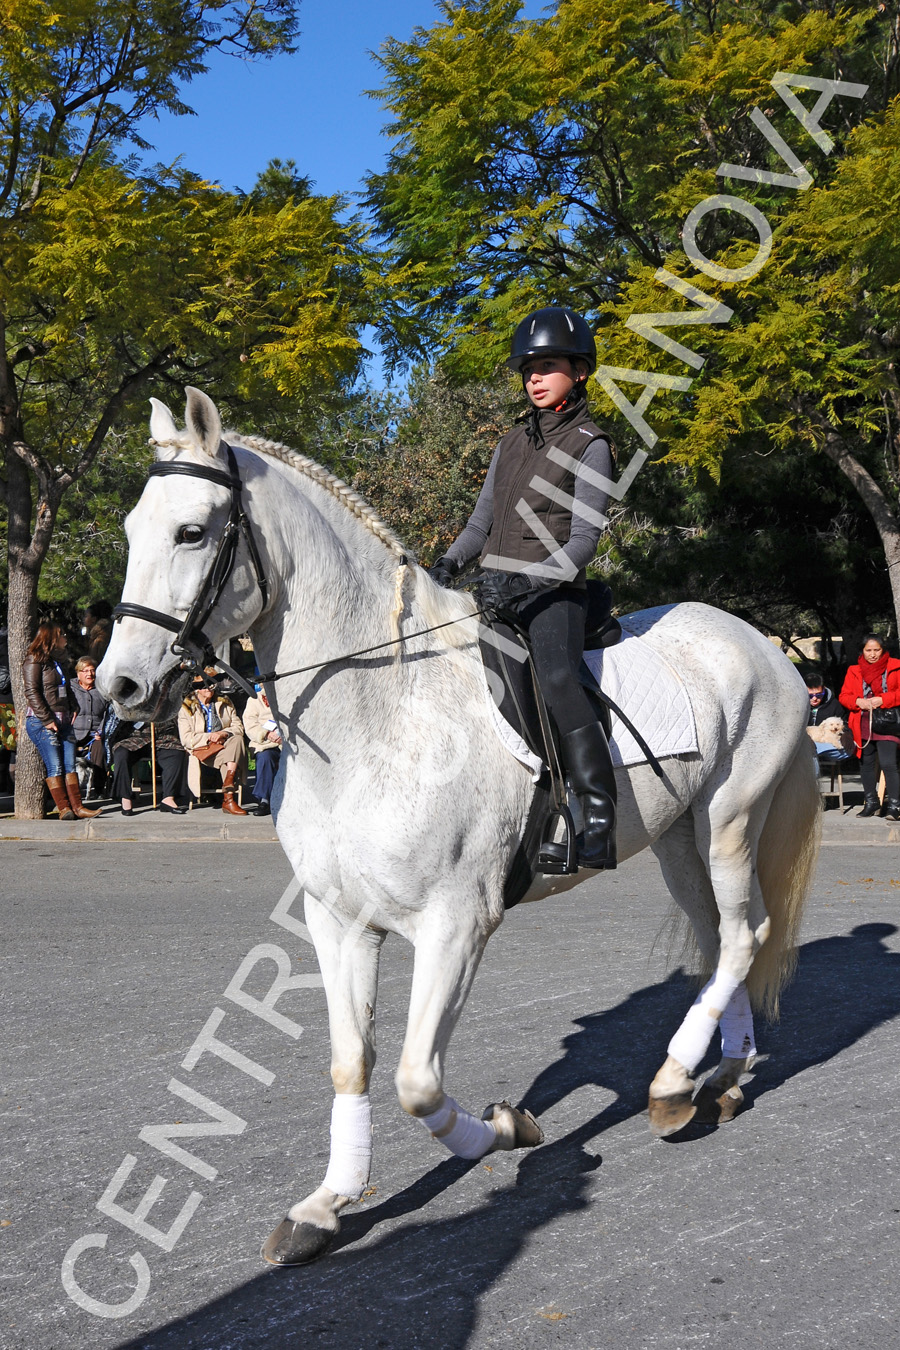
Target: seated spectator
{"x": 88, "y": 727}
{"x": 129, "y": 742}
{"x": 265, "y": 743}
{"x": 824, "y": 705}
{"x": 212, "y": 733}
{"x": 97, "y": 629}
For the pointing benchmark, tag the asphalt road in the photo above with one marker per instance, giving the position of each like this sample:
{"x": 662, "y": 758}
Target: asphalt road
{"x": 780, "y": 1229}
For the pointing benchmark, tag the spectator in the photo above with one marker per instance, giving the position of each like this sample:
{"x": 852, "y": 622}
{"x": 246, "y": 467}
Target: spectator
{"x": 823, "y": 705}
{"x": 7, "y": 715}
{"x": 97, "y": 629}
{"x": 212, "y": 733}
{"x": 265, "y": 743}
{"x": 88, "y": 725}
{"x": 49, "y": 717}
{"x": 874, "y": 682}
{"x": 131, "y": 741}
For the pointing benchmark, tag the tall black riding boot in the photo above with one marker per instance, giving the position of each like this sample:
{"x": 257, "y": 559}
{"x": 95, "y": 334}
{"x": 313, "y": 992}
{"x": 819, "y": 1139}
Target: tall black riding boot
{"x": 586, "y": 759}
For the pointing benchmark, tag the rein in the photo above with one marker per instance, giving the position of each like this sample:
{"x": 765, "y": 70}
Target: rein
{"x": 189, "y": 630}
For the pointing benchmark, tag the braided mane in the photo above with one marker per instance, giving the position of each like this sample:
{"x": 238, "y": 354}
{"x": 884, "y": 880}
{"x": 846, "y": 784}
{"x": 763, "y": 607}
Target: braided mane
{"x": 330, "y": 482}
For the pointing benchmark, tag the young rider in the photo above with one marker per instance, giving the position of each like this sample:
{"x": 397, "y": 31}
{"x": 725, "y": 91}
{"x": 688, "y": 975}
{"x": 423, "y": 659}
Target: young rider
{"x": 535, "y": 526}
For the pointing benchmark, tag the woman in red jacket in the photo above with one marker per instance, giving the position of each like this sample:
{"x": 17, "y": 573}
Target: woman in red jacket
{"x": 874, "y": 682}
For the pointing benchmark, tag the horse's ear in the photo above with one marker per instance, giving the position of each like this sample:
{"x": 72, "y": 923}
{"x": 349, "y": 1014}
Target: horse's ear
{"x": 162, "y": 423}
{"x": 202, "y": 420}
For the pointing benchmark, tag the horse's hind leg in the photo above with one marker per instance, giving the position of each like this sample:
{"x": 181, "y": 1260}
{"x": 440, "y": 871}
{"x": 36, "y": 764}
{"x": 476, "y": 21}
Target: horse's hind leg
{"x": 447, "y": 958}
{"x": 348, "y": 958}
{"x": 672, "y": 1103}
{"x": 720, "y": 1098}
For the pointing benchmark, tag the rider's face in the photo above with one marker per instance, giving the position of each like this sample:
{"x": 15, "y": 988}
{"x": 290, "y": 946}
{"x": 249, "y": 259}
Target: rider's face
{"x": 549, "y": 380}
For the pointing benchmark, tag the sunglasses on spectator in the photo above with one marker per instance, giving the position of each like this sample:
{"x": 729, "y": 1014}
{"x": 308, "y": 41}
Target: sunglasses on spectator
{"x": 816, "y": 693}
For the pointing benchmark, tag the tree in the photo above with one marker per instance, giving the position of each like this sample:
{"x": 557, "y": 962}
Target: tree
{"x": 557, "y": 160}
{"x": 112, "y": 280}
{"x": 428, "y": 466}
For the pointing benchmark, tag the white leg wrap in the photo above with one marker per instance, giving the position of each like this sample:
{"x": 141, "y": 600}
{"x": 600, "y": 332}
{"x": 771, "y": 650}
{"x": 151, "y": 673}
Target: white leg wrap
{"x": 691, "y": 1040}
{"x": 736, "y": 1026}
{"x": 351, "y": 1145}
{"x": 464, "y": 1135}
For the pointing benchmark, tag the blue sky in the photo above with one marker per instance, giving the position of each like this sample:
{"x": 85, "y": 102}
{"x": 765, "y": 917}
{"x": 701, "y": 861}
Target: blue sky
{"x": 309, "y": 107}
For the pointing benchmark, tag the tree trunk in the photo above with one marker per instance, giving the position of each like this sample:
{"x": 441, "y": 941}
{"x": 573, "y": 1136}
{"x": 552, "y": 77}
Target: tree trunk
{"x": 23, "y": 584}
{"x": 876, "y": 503}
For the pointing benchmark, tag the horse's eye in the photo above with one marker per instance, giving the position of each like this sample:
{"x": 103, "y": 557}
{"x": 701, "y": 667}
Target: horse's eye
{"x": 190, "y": 534}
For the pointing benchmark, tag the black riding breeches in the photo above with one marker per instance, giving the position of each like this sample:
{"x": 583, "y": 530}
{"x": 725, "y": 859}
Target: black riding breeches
{"x": 886, "y": 752}
{"x": 555, "y": 623}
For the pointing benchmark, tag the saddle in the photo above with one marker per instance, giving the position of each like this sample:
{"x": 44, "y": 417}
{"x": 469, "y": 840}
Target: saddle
{"x": 505, "y": 656}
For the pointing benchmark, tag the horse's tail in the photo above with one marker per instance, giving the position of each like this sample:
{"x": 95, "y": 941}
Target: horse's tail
{"x": 786, "y": 860}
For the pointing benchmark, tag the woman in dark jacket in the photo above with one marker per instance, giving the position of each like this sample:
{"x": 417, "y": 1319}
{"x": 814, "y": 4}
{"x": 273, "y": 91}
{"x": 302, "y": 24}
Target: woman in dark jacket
{"x": 127, "y": 742}
{"x": 50, "y": 715}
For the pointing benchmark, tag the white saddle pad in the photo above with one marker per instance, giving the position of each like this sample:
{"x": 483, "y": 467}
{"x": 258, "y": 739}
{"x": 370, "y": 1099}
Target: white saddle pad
{"x": 647, "y": 689}
{"x": 651, "y": 695}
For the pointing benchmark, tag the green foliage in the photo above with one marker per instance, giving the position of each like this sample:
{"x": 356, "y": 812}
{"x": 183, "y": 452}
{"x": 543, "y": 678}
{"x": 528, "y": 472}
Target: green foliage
{"x": 555, "y": 161}
{"x": 81, "y": 75}
{"x": 536, "y": 160}
{"x": 426, "y": 473}
{"x": 88, "y": 553}
{"x": 115, "y": 284}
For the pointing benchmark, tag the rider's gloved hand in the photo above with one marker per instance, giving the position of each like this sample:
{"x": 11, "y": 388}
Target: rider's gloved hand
{"x": 442, "y": 572}
{"x": 509, "y": 591}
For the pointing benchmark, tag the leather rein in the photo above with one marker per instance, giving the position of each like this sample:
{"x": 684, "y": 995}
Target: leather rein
{"x": 189, "y": 630}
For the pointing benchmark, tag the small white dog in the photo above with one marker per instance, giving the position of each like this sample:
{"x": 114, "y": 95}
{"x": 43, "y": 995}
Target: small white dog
{"x": 833, "y": 731}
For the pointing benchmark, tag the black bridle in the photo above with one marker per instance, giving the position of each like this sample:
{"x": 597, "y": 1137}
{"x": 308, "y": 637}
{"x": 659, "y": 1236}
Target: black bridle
{"x": 189, "y": 630}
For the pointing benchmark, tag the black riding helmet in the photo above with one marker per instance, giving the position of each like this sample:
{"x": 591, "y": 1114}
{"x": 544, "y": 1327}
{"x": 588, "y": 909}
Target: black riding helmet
{"x": 552, "y": 332}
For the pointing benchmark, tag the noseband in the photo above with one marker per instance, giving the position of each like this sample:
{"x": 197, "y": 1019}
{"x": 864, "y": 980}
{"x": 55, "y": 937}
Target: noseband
{"x": 189, "y": 630}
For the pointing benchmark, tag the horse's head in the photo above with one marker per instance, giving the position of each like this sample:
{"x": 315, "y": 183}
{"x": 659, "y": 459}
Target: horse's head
{"x": 177, "y": 558}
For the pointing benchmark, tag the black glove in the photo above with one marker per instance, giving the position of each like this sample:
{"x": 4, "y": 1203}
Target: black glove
{"x": 509, "y": 591}
{"x": 442, "y": 572}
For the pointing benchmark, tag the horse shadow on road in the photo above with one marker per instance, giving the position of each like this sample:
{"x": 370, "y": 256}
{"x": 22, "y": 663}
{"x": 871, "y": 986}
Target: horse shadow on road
{"x": 420, "y": 1283}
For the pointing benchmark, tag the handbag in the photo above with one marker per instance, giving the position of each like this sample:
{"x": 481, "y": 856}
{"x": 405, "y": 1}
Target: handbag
{"x": 886, "y": 722}
{"x": 205, "y": 752}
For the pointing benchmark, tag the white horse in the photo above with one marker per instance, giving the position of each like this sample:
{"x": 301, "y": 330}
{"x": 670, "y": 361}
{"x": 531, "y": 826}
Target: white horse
{"x": 400, "y": 812}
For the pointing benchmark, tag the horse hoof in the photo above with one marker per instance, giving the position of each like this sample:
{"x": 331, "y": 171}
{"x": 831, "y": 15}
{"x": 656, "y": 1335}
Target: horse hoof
{"x": 296, "y": 1244}
{"x": 515, "y": 1128}
{"x": 715, "y": 1107}
{"x": 670, "y": 1114}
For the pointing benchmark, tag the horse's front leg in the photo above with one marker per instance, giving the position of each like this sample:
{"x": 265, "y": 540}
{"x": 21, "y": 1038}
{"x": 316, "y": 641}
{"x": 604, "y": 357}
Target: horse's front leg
{"x": 447, "y": 957}
{"x": 348, "y": 958}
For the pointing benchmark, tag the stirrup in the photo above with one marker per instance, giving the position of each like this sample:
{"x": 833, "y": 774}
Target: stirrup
{"x": 558, "y": 858}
